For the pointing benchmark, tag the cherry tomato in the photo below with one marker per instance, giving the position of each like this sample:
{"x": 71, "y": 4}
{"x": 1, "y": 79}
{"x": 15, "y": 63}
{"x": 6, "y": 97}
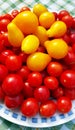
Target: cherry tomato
{"x": 14, "y": 13}
{"x": 67, "y": 20}
{"x": 51, "y": 82}
{"x": 70, "y": 93}
{"x": 72, "y": 38}
{"x": 3, "y": 24}
{"x": 3, "y": 72}
{"x": 12, "y": 85}
{"x": 64, "y": 104}
{"x": 4, "y": 55}
{"x": 13, "y": 102}
{"x": 6, "y": 16}
{"x": 42, "y": 93}
{"x": 28, "y": 91}
{"x": 58, "y": 92}
{"x": 24, "y": 8}
{"x": 24, "y": 72}
{"x": 35, "y": 79}
{"x": 54, "y": 68}
{"x": 2, "y": 94}
{"x": 67, "y": 79}
{"x": 66, "y": 38}
{"x": 13, "y": 62}
{"x": 70, "y": 57}
{"x": 23, "y": 56}
{"x": 48, "y": 108}
{"x": 5, "y": 39}
{"x": 62, "y": 13}
{"x": 73, "y": 23}
{"x": 30, "y": 107}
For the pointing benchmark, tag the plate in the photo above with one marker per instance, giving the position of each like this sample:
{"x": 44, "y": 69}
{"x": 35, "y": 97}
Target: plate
{"x": 16, "y": 117}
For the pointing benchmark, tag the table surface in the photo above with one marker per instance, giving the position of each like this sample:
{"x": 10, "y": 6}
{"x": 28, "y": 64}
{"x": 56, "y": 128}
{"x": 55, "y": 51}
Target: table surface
{"x": 53, "y": 5}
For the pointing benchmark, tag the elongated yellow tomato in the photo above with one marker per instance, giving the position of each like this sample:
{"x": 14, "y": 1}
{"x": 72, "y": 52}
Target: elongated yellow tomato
{"x": 27, "y": 21}
{"x": 38, "y": 61}
{"x": 56, "y": 48}
{"x": 57, "y": 29}
{"x": 30, "y": 44}
{"x": 15, "y": 36}
{"x": 39, "y": 8}
{"x": 41, "y": 34}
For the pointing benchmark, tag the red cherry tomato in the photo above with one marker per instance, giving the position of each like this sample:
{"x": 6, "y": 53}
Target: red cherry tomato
{"x": 58, "y": 92}
{"x": 24, "y": 72}
{"x": 54, "y": 68}
{"x": 51, "y": 82}
{"x": 12, "y": 85}
{"x": 62, "y": 13}
{"x": 30, "y": 107}
{"x": 70, "y": 57}
{"x": 73, "y": 23}
{"x": 6, "y": 16}
{"x": 70, "y": 93}
{"x": 35, "y": 79}
{"x": 68, "y": 20}
{"x": 2, "y": 94}
{"x": 23, "y": 56}
{"x": 48, "y": 108}
{"x": 5, "y": 39}
{"x": 28, "y": 91}
{"x": 13, "y": 62}
{"x": 4, "y": 55}
{"x": 64, "y": 104}
{"x": 3, "y": 24}
{"x": 25, "y": 8}
{"x": 14, "y": 13}
{"x": 42, "y": 93}
{"x": 66, "y": 38}
{"x": 72, "y": 38}
{"x": 3, "y": 72}
{"x": 67, "y": 79}
{"x": 13, "y": 102}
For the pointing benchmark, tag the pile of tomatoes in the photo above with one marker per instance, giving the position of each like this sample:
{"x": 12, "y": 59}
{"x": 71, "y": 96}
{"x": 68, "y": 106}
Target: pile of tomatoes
{"x": 37, "y": 60}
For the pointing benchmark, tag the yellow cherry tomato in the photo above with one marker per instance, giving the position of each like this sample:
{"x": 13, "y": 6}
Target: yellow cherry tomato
{"x": 57, "y": 29}
{"x": 15, "y": 35}
{"x": 46, "y": 19}
{"x": 30, "y": 44}
{"x": 39, "y": 8}
{"x": 38, "y": 61}
{"x": 41, "y": 34}
{"x": 26, "y": 21}
{"x": 57, "y": 48}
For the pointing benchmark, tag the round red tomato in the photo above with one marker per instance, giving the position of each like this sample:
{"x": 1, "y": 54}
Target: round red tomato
{"x": 67, "y": 79}
{"x": 13, "y": 62}
{"x": 48, "y": 108}
{"x": 13, "y": 102}
{"x": 54, "y": 68}
{"x": 28, "y": 91}
{"x": 3, "y": 24}
{"x": 24, "y": 72}
{"x": 30, "y": 107}
{"x": 42, "y": 93}
{"x": 14, "y": 13}
{"x": 12, "y": 85}
{"x": 4, "y": 55}
{"x": 70, "y": 93}
{"x": 3, "y": 72}
{"x": 51, "y": 82}
{"x": 2, "y": 94}
{"x": 68, "y": 20}
{"x": 24, "y": 8}
{"x": 62, "y": 13}
{"x": 58, "y": 92}
{"x": 64, "y": 104}
{"x": 35, "y": 79}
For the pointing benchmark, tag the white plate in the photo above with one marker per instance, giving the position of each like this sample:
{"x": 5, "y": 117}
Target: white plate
{"x": 16, "y": 117}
